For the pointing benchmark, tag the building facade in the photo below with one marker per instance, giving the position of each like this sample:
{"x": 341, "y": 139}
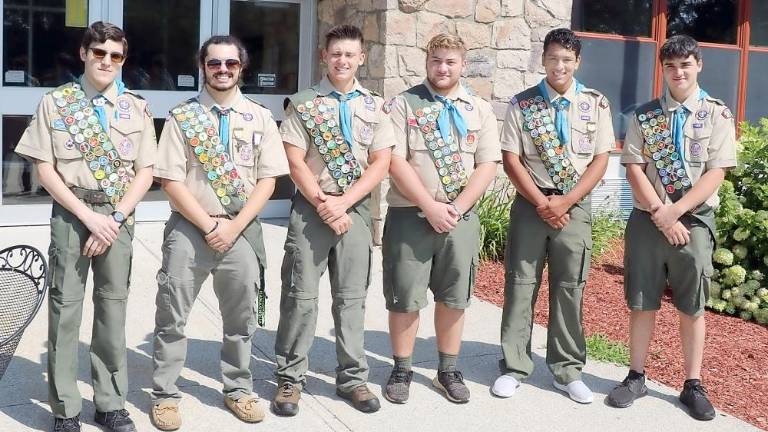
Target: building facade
{"x": 40, "y": 39}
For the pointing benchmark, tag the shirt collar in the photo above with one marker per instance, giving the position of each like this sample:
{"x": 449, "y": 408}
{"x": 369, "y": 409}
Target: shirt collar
{"x": 325, "y": 87}
{"x": 110, "y": 93}
{"x": 460, "y": 92}
{"x": 553, "y": 95}
{"x": 691, "y": 102}
{"x": 235, "y": 103}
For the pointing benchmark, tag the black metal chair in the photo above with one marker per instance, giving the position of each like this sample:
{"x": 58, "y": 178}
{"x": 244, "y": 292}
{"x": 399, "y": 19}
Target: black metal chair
{"x": 23, "y": 280}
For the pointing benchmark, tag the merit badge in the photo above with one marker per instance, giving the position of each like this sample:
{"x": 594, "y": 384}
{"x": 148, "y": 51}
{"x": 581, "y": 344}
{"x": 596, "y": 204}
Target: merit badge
{"x": 125, "y": 147}
{"x": 701, "y": 114}
{"x": 585, "y": 145}
{"x": 247, "y": 116}
{"x": 471, "y": 138}
{"x": 468, "y": 106}
{"x": 584, "y": 106}
{"x": 366, "y": 134}
{"x": 59, "y": 124}
{"x": 246, "y": 153}
{"x": 69, "y": 145}
{"x": 696, "y": 149}
{"x": 123, "y": 105}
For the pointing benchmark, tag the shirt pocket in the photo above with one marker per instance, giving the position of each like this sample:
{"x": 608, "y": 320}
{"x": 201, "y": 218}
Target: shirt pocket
{"x": 364, "y": 127}
{"x": 583, "y": 135}
{"x": 64, "y": 146}
{"x": 245, "y": 146}
{"x": 126, "y": 137}
{"x": 469, "y": 142}
{"x": 697, "y": 147}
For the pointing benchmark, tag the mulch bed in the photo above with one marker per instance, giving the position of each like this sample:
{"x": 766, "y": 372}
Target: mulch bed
{"x": 735, "y": 370}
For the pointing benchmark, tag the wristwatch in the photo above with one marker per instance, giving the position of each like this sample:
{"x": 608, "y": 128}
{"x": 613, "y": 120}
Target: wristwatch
{"x": 118, "y": 216}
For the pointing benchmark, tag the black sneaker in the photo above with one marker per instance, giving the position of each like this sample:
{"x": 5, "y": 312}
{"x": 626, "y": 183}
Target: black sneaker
{"x": 631, "y": 388}
{"x": 398, "y": 386}
{"x": 71, "y": 424}
{"x": 451, "y": 383}
{"x": 694, "y": 397}
{"x": 115, "y": 421}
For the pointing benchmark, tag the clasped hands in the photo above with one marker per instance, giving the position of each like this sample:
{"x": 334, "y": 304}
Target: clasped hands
{"x": 666, "y": 217}
{"x": 554, "y": 211}
{"x": 333, "y": 211}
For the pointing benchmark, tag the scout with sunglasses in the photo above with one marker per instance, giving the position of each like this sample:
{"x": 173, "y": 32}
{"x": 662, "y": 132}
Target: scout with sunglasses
{"x": 94, "y": 145}
{"x": 219, "y": 154}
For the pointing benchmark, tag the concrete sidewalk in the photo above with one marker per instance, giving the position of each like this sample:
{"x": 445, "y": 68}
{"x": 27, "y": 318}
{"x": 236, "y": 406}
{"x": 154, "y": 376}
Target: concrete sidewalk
{"x": 537, "y": 406}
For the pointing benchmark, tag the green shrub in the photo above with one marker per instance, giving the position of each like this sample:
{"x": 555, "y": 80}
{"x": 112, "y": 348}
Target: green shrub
{"x": 741, "y": 258}
{"x": 606, "y": 227}
{"x": 493, "y": 210}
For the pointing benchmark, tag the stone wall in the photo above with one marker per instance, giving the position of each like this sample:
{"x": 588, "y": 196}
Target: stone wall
{"x": 504, "y": 39}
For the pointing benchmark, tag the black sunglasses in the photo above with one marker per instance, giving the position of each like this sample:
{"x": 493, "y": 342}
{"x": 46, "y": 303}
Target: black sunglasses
{"x": 229, "y": 63}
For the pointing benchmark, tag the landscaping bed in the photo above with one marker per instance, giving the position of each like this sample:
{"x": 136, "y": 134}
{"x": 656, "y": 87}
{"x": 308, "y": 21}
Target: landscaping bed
{"x": 735, "y": 370}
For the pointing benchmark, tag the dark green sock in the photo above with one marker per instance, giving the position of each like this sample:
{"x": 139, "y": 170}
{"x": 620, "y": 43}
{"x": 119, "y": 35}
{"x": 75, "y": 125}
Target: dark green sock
{"x": 446, "y": 361}
{"x": 403, "y": 362}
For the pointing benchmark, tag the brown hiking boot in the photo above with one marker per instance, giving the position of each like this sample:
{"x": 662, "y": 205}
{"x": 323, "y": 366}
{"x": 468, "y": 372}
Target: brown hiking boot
{"x": 165, "y": 416}
{"x": 362, "y": 399}
{"x": 286, "y": 401}
{"x": 246, "y": 408}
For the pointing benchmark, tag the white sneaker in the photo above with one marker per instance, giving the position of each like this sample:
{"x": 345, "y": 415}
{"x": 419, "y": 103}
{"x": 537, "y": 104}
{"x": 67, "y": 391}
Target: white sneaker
{"x": 505, "y": 386}
{"x": 577, "y": 390}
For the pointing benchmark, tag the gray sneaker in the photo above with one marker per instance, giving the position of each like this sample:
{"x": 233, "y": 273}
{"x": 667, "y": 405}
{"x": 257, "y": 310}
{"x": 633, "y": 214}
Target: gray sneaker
{"x": 451, "y": 383}
{"x": 398, "y": 386}
{"x": 624, "y": 394}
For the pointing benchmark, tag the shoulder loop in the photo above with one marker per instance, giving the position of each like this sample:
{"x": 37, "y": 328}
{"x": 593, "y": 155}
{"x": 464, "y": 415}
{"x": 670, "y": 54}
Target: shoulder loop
{"x": 715, "y": 100}
{"x": 134, "y": 94}
{"x": 255, "y": 101}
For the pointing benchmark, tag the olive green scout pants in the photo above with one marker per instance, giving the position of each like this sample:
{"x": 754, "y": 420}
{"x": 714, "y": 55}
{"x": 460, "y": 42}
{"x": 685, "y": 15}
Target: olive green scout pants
{"x": 531, "y": 243}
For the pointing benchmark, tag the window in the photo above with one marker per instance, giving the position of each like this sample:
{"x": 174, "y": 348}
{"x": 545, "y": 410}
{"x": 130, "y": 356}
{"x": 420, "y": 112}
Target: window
{"x": 274, "y": 55}
{"x": 758, "y": 23}
{"x": 38, "y": 49}
{"x": 626, "y": 18}
{"x": 162, "y": 44}
{"x": 714, "y": 21}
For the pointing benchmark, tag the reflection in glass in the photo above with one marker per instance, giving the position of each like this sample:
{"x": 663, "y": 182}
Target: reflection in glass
{"x": 626, "y": 18}
{"x": 714, "y": 21}
{"x": 758, "y": 24}
{"x": 757, "y": 91}
{"x": 270, "y": 31}
{"x": 162, "y": 44}
{"x": 38, "y": 49}
{"x": 720, "y": 76}
{"x": 623, "y": 71}
{"x": 20, "y": 183}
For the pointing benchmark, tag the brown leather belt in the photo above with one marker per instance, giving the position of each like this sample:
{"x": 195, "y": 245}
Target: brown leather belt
{"x": 89, "y": 196}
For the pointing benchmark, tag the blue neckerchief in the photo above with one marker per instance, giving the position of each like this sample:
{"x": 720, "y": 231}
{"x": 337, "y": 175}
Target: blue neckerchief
{"x": 345, "y": 115}
{"x": 561, "y": 106}
{"x": 448, "y": 113}
{"x": 101, "y": 113}
{"x": 223, "y": 126}
{"x": 678, "y": 124}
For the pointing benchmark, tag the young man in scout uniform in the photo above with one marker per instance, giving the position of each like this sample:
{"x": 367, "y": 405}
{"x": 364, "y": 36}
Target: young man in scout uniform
{"x": 93, "y": 143}
{"x": 337, "y": 139}
{"x": 218, "y": 157}
{"x": 555, "y": 138}
{"x": 446, "y": 154}
{"x": 676, "y": 152}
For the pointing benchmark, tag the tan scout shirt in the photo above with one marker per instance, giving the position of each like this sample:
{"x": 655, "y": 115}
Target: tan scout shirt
{"x": 371, "y": 131}
{"x": 709, "y": 124}
{"x": 480, "y": 145}
{"x": 131, "y": 131}
{"x": 589, "y": 116}
{"x": 254, "y": 146}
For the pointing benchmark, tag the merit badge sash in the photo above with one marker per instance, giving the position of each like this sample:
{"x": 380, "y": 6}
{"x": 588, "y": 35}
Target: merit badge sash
{"x": 446, "y": 157}
{"x": 201, "y": 134}
{"x": 321, "y": 121}
{"x": 79, "y": 119}
{"x": 540, "y": 126}
{"x": 657, "y": 136}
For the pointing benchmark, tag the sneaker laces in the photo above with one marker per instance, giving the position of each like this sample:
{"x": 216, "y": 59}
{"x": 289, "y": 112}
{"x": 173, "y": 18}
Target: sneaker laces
{"x": 162, "y": 409}
{"x": 453, "y": 377}
{"x": 248, "y": 403}
{"x": 699, "y": 390}
{"x": 399, "y": 375}
{"x": 123, "y": 413}
{"x": 70, "y": 421}
{"x": 363, "y": 390}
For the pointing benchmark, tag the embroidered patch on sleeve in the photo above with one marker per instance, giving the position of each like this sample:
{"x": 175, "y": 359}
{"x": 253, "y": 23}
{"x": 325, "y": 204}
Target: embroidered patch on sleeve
{"x": 387, "y": 107}
{"x": 727, "y": 114}
{"x": 603, "y": 102}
